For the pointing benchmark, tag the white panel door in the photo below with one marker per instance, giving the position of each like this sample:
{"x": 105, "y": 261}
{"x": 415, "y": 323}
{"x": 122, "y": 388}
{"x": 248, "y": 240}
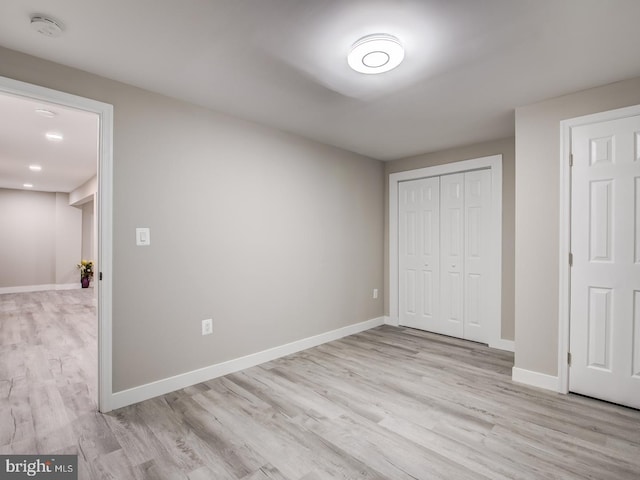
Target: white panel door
{"x": 419, "y": 218}
{"x": 478, "y": 286}
{"x": 605, "y": 277}
{"x": 452, "y": 255}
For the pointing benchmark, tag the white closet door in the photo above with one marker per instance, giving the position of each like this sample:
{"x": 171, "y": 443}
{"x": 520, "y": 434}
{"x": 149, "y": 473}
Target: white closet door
{"x": 418, "y": 240}
{"x": 452, "y": 255}
{"x": 478, "y": 286}
{"x": 605, "y": 277}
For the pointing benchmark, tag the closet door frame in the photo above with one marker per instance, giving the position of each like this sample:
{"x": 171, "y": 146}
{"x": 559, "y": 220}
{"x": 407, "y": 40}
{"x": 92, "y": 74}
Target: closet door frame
{"x": 494, "y": 163}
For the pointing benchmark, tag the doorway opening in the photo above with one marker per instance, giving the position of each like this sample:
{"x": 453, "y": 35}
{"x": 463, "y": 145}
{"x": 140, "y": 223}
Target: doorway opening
{"x": 599, "y": 324}
{"x": 50, "y": 102}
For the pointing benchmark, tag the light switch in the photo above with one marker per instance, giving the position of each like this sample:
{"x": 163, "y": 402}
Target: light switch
{"x": 143, "y": 237}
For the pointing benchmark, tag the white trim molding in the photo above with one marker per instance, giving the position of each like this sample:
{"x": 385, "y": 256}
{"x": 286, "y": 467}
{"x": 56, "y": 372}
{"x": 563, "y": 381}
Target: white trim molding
{"x": 503, "y": 344}
{"x": 171, "y": 384}
{"x": 494, "y": 163}
{"x": 68, "y": 286}
{"x": 103, "y": 209}
{"x": 564, "y": 273}
{"x": 393, "y": 321}
{"x": 535, "y": 379}
{"x": 40, "y": 288}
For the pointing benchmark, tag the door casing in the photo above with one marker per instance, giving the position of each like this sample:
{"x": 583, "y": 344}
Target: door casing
{"x": 494, "y": 163}
{"x": 564, "y": 295}
{"x": 104, "y": 219}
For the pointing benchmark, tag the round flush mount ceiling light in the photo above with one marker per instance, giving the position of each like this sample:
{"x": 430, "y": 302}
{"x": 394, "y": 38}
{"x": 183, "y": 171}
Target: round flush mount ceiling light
{"x": 377, "y": 53}
{"x": 46, "y": 26}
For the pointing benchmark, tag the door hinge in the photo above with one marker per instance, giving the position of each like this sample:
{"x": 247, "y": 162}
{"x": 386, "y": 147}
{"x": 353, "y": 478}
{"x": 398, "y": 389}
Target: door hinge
{"x": 571, "y": 159}
{"x": 100, "y": 276}
{"x": 569, "y": 358}
{"x": 570, "y": 259}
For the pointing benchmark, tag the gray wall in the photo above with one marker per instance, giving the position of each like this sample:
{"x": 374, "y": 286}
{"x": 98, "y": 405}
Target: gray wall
{"x": 505, "y": 147}
{"x": 68, "y": 240}
{"x": 276, "y": 237}
{"x": 88, "y": 228}
{"x": 27, "y": 238}
{"x": 83, "y": 197}
{"x": 537, "y": 215}
{"x": 39, "y": 239}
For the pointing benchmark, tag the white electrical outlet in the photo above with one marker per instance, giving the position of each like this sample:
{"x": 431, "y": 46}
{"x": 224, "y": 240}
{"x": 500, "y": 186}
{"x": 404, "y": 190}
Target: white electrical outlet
{"x": 375, "y": 293}
{"x": 207, "y": 326}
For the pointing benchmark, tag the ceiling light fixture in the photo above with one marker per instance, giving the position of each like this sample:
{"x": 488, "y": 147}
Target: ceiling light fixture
{"x": 27, "y": 185}
{"x": 45, "y": 113}
{"x": 35, "y": 168}
{"x": 46, "y": 26}
{"x": 377, "y": 53}
{"x": 54, "y": 136}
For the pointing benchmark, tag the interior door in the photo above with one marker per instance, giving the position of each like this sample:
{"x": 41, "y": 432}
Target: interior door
{"x": 452, "y": 255}
{"x": 477, "y": 255}
{"x": 605, "y": 277}
{"x": 419, "y": 257}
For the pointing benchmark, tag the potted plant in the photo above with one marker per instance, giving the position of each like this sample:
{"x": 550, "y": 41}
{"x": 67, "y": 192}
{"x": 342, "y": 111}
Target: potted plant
{"x": 86, "y": 272}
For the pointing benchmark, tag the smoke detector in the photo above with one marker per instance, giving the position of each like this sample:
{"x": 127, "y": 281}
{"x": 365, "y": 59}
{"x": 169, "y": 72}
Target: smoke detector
{"x": 46, "y": 26}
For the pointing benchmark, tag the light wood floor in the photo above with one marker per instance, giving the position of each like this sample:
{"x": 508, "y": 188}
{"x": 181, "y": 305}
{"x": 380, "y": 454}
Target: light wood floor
{"x": 390, "y": 403}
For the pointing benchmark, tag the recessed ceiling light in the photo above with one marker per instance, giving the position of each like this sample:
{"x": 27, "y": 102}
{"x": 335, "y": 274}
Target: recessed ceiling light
{"x": 46, "y": 26}
{"x": 54, "y": 136}
{"x": 376, "y": 53}
{"x": 35, "y": 168}
{"x": 45, "y": 113}
{"x": 27, "y": 185}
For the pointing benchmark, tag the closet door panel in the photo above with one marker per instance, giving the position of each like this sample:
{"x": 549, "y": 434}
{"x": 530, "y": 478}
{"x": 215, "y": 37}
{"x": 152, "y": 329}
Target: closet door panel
{"x": 477, "y": 254}
{"x": 452, "y": 255}
{"x": 419, "y": 261}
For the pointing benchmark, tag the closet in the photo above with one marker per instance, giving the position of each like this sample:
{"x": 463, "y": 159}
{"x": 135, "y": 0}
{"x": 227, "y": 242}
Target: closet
{"x": 445, "y": 254}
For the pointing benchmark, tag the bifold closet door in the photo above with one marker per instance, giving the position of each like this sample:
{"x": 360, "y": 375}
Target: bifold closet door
{"x": 419, "y": 256}
{"x": 478, "y": 286}
{"x": 452, "y": 255}
{"x": 444, "y": 254}
{"x": 465, "y": 226}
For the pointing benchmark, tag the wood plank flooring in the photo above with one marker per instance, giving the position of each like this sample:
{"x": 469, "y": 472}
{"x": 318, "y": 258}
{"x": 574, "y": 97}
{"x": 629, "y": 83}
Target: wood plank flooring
{"x": 389, "y": 403}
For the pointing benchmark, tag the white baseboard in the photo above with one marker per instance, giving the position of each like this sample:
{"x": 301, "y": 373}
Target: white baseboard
{"x": 502, "y": 344}
{"x": 393, "y": 321}
{"x": 535, "y": 379}
{"x": 166, "y": 385}
{"x": 68, "y": 286}
{"x": 40, "y": 288}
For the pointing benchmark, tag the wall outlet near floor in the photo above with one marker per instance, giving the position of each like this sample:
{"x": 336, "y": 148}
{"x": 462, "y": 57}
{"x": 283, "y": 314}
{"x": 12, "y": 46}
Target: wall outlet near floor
{"x": 207, "y": 326}
{"x": 375, "y": 293}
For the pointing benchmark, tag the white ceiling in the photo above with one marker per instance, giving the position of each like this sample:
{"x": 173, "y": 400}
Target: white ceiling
{"x": 65, "y": 165}
{"x": 468, "y": 63}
